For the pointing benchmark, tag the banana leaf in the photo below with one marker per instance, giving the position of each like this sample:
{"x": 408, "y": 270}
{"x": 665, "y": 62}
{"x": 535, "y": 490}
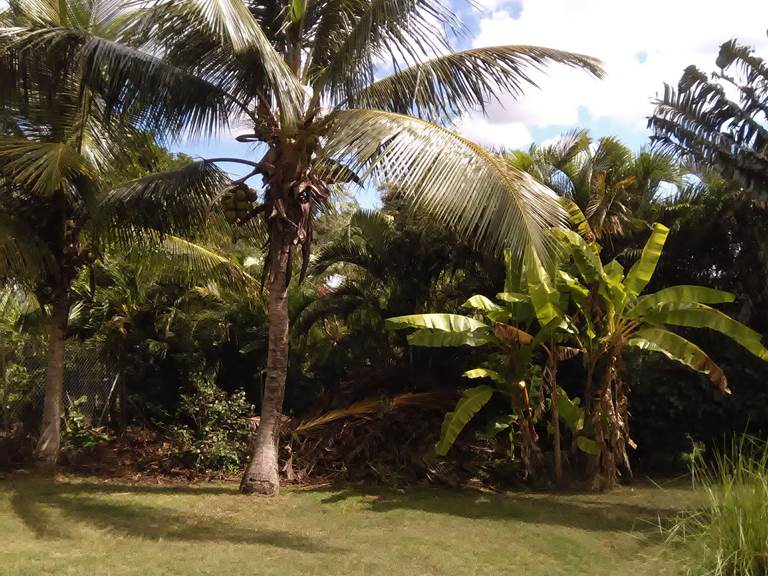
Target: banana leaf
{"x": 438, "y": 339}
{"x": 444, "y": 322}
{"x": 680, "y": 350}
{"x": 693, "y": 315}
{"x": 680, "y": 294}
{"x": 486, "y": 373}
{"x": 472, "y": 400}
{"x": 640, "y": 273}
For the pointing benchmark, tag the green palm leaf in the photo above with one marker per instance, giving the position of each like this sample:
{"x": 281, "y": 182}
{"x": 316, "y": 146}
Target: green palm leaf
{"x": 166, "y": 98}
{"x": 448, "y": 85}
{"x": 181, "y": 261}
{"x": 225, "y": 23}
{"x": 173, "y": 202}
{"x": 374, "y": 30}
{"x": 472, "y": 191}
{"x": 41, "y": 167}
{"x": 23, "y": 257}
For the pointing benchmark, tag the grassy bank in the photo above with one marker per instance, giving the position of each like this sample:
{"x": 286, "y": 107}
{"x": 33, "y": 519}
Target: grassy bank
{"x": 89, "y": 527}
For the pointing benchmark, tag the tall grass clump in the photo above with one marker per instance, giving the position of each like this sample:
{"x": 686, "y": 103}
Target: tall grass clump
{"x": 729, "y": 533}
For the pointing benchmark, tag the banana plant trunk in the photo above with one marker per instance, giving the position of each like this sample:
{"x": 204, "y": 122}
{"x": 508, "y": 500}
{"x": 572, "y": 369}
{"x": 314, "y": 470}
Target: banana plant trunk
{"x": 557, "y": 451}
{"x": 262, "y": 474}
{"x": 49, "y": 440}
{"x": 609, "y": 420}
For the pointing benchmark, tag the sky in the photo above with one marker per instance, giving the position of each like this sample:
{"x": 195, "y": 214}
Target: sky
{"x": 643, "y": 44}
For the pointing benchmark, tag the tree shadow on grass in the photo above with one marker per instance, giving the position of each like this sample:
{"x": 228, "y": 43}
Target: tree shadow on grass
{"x": 584, "y": 512}
{"x": 55, "y": 510}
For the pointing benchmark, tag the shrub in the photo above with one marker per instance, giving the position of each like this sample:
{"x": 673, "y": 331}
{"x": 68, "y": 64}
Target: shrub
{"x": 214, "y": 431}
{"x": 730, "y": 533}
{"x": 78, "y": 433}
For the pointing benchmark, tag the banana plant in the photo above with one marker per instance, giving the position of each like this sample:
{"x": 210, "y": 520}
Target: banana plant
{"x": 506, "y": 329}
{"x": 615, "y": 316}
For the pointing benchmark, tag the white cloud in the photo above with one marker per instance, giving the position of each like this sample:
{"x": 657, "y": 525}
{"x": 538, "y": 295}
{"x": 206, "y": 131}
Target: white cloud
{"x": 642, "y": 44}
{"x": 494, "y": 133}
{"x": 488, "y": 5}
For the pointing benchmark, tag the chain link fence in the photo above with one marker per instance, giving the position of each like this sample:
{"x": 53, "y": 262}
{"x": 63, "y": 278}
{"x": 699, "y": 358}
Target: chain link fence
{"x": 89, "y": 384}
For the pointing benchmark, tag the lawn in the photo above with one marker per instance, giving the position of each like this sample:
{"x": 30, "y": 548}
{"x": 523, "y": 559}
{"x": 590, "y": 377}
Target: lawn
{"x": 86, "y": 526}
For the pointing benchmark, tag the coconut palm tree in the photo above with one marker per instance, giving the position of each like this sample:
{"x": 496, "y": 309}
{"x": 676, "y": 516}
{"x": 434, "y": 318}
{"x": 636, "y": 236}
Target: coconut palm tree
{"x": 330, "y": 91}
{"x": 52, "y": 149}
{"x": 56, "y": 160}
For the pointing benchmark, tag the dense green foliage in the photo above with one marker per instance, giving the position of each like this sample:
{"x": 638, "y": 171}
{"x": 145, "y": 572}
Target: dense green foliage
{"x": 212, "y": 430}
{"x": 586, "y": 308}
{"x": 154, "y": 276}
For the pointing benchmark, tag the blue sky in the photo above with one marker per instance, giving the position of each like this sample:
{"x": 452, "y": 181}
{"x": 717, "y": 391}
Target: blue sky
{"x": 642, "y": 44}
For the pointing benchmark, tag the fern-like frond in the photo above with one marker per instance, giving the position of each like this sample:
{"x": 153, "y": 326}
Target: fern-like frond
{"x": 180, "y": 261}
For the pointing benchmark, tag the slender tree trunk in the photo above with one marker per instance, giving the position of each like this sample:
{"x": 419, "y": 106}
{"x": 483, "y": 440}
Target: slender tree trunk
{"x": 122, "y": 399}
{"x": 6, "y": 390}
{"x": 49, "y": 441}
{"x": 262, "y": 475}
{"x": 552, "y": 375}
{"x": 588, "y": 389}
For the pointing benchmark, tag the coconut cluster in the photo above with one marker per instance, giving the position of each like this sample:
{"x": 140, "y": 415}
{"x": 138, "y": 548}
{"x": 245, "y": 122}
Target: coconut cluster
{"x": 238, "y": 202}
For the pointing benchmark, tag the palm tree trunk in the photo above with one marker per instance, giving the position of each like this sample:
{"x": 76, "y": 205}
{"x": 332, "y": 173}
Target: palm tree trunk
{"x": 49, "y": 441}
{"x": 262, "y": 474}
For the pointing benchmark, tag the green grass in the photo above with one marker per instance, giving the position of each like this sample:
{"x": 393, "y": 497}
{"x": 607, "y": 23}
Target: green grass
{"x": 90, "y": 527}
{"x": 729, "y": 533}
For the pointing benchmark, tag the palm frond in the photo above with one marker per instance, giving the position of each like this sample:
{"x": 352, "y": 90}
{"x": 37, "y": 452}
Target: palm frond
{"x": 340, "y": 303}
{"x": 448, "y": 85}
{"x": 164, "y": 98}
{"x": 137, "y": 87}
{"x": 379, "y": 30}
{"x": 465, "y": 187}
{"x": 174, "y": 202}
{"x": 41, "y": 167}
{"x": 700, "y": 122}
{"x": 226, "y": 29}
{"x": 23, "y": 257}
{"x": 183, "y": 262}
